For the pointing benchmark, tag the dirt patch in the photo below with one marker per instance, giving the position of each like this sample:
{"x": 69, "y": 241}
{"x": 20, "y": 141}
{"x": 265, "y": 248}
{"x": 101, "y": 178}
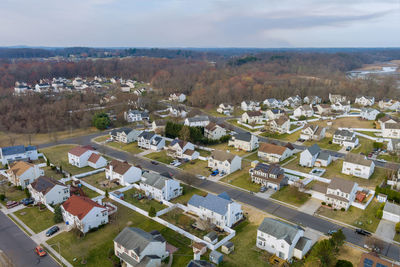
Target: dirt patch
{"x": 254, "y": 215}
{"x": 350, "y": 254}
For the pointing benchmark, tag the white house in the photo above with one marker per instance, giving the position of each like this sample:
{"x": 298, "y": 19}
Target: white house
{"x": 160, "y": 187}
{"x": 136, "y": 115}
{"x": 341, "y": 106}
{"x": 225, "y": 109}
{"x": 123, "y": 172}
{"x": 365, "y": 100}
{"x": 313, "y": 100}
{"x": 389, "y": 104}
{"x": 268, "y": 175}
{"x": 135, "y": 247}
{"x": 313, "y": 132}
{"x": 224, "y": 161}
{"x": 323, "y": 109}
{"x": 272, "y": 103}
{"x": 158, "y": 125}
{"x": 324, "y": 158}
{"x": 390, "y": 127}
{"x": 394, "y": 145}
{"x": 83, "y": 213}
{"x": 273, "y": 153}
{"x": 273, "y": 114}
{"x": 49, "y": 191}
{"x": 358, "y": 165}
{"x": 179, "y": 97}
{"x": 42, "y": 87}
{"x": 177, "y": 148}
{"x": 336, "y": 98}
{"x": 280, "y": 125}
{"x": 21, "y": 88}
{"x": 21, "y": 173}
{"x": 14, "y": 153}
{"x": 220, "y": 210}
{"x": 304, "y": 110}
{"x": 244, "y": 141}
{"x": 250, "y": 106}
{"x": 82, "y": 156}
{"x": 178, "y": 111}
{"x": 197, "y": 121}
{"x": 341, "y": 193}
{"x": 150, "y": 140}
{"x": 293, "y": 101}
{"x": 309, "y": 156}
{"x": 214, "y": 131}
{"x": 391, "y": 212}
{"x": 282, "y": 239}
{"x": 125, "y": 135}
{"x": 251, "y": 117}
{"x": 369, "y": 114}
{"x": 345, "y": 138}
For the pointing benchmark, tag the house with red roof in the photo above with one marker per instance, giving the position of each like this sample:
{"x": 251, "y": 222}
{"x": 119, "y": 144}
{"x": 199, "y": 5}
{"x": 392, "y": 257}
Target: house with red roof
{"x": 82, "y": 156}
{"x": 83, "y": 213}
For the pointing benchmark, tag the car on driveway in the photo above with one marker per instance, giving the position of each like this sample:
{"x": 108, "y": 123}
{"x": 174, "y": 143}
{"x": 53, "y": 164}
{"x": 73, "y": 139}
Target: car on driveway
{"x": 348, "y": 148}
{"x": 215, "y": 173}
{"x": 52, "y": 230}
{"x": 362, "y": 232}
{"x": 331, "y": 232}
{"x": 263, "y": 189}
{"x": 27, "y": 201}
{"x": 40, "y": 251}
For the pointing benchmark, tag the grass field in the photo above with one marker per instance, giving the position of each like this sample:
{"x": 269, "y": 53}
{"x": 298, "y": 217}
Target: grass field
{"x": 188, "y": 192}
{"x": 242, "y": 179}
{"x": 366, "y": 146}
{"x": 144, "y": 203}
{"x": 360, "y": 218}
{"x": 12, "y": 193}
{"x": 52, "y": 173}
{"x": 196, "y": 166}
{"x": 235, "y": 123}
{"x": 58, "y": 155}
{"x": 97, "y": 179}
{"x": 101, "y": 138}
{"x": 160, "y": 156}
{"x": 225, "y": 147}
{"x": 389, "y": 157}
{"x": 97, "y": 247}
{"x": 131, "y": 148}
{"x": 37, "y": 220}
{"x": 286, "y": 137}
{"x": 213, "y": 112}
{"x": 324, "y": 144}
{"x": 291, "y": 195}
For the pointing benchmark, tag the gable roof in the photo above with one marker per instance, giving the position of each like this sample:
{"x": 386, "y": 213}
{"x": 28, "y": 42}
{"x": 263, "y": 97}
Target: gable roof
{"x": 279, "y": 229}
{"x": 198, "y": 119}
{"x": 342, "y": 184}
{"x": 154, "y": 179}
{"x": 254, "y": 113}
{"x": 357, "y": 159}
{"x": 222, "y": 155}
{"x": 324, "y": 155}
{"x": 272, "y": 148}
{"x": 94, "y": 157}
{"x": 44, "y": 184}
{"x": 181, "y": 143}
{"x": 314, "y": 149}
{"x": 136, "y": 239}
{"x": 218, "y": 204}
{"x": 147, "y": 135}
{"x": 80, "y": 150}
{"x": 80, "y": 206}
{"x": 12, "y": 150}
{"x": 120, "y": 167}
{"x": 344, "y": 132}
{"x": 125, "y": 130}
{"x": 281, "y": 120}
{"x": 20, "y": 167}
{"x": 246, "y": 136}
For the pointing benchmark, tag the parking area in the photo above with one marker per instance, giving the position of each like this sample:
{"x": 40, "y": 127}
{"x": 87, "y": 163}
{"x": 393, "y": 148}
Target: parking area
{"x": 311, "y": 206}
{"x": 386, "y": 229}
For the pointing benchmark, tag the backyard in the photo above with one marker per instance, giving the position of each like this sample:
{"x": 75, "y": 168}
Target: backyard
{"x": 88, "y": 192}
{"x": 242, "y": 179}
{"x": 131, "y": 196}
{"x": 287, "y": 137}
{"x": 49, "y": 172}
{"x": 188, "y": 192}
{"x": 196, "y": 166}
{"x": 291, "y": 195}
{"x": 225, "y": 147}
{"x": 366, "y": 146}
{"x": 325, "y": 143}
{"x": 37, "y": 220}
{"x": 99, "y": 180}
{"x": 160, "y": 156}
{"x": 11, "y": 192}
{"x": 97, "y": 247}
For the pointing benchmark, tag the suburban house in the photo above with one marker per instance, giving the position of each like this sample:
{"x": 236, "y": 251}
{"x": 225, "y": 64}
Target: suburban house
{"x": 345, "y": 138}
{"x": 365, "y": 100}
{"x": 14, "y": 153}
{"x": 336, "y": 98}
{"x": 324, "y": 158}
{"x": 309, "y": 156}
{"x": 312, "y": 132}
{"x": 151, "y": 140}
{"x": 390, "y": 127}
{"x": 136, "y": 115}
{"x": 273, "y": 114}
{"x": 340, "y": 193}
{"x": 358, "y": 165}
{"x": 313, "y": 100}
{"x": 253, "y": 117}
{"x": 177, "y": 149}
{"x": 323, "y": 109}
{"x": 83, "y": 213}
{"x": 21, "y": 173}
{"x": 272, "y": 103}
{"x": 125, "y": 135}
{"x": 280, "y": 125}
{"x": 293, "y": 101}
{"x": 341, "y": 106}
{"x": 224, "y": 161}
{"x": 389, "y": 104}
{"x": 197, "y": 121}
{"x": 178, "y": 97}
{"x": 82, "y": 156}
{"x": 268, "y": 175}
{"x": 158, "y": 125}
{"x": 273, "y": 153}
{"x": 160, "y": 187}
{"x": 250, "y": 106}
{"x": 304, "y": 110}
{"x": 282, "y": 239}
{"x": 391, "y": 212}
{"x": 244, "y": 141}
{"x": 220, "y": 210}
{"x": 214, "y": 131}
{"x": 178, "y": 111}
{"x": 49, "y": 191}
{"x": 225, "y": 109}
{"x": 123, "y": 172}
{"x": 369, "y": 114}
{"x": 135, "y": 247}
{"x": 394, "y": 145}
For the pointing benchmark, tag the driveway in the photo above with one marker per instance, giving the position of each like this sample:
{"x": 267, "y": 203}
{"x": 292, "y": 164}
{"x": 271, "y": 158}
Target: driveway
{"x": 311, "y": 206}
{"x": 41, "y": 237}
{"x": 386, "y": 230}
{"x": 266, "y": 194}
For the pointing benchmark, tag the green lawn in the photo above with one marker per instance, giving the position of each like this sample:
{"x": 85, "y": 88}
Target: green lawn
{"x": 188, "y": 192}
{"x": 397, "y": 237}
{"x": 324, "y": 144}
{"x": 37, "y": 220}
{"x": 88, "y": 192}
{"x": 235, "y": 123}
{"x": 144, "y": 203}
{"x": 160, "y": 156}
{"x": 286, "y": 137}
{"x": 366, "y": 146}
{"x": 196, "y": 167}
{"x": 246, "y": 253}
{"x": 97, "y": 179}
{"x": 291, "y": 195}
{"x": 360, "y": 218}
{"x": 12, "y": 193}
{"x": 368, "y": 133}
{"x": 389, "y": 157}
{"x": 52, "y": 173}
{"x": 58, "y": 155}
{"x": 242, "y": 179}
{"x": 213, "y": 112}
{"x": 131, "y": 148}
{"x": 225, "y": 147}
{"x": 203, "y": 153}
{"x": 96, "y": 247}
{"x": 252, "y": 157}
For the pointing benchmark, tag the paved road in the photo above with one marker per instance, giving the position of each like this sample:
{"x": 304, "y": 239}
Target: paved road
{"x": 19, "y": 247}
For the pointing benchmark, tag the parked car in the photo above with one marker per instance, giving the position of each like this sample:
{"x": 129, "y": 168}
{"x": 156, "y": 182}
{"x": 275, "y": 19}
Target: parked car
{"x": 40, "y": 251}
{"x": 12, "y": 204}
{"x": 362, "y": 232}
{"x": 215, "y": 173}
{"x": 381, "y": 160}
{"x": 52, "y": 230}
{"x": 177, "y": 164}
{"x": 263, "y": 189}
{"x": 201, "y": 177}
{"x": 222, "y": 173}
{"x": 154, "y": 162}
{"x": 348, "y": 148}
{"x": 27, "y": 201}
{"x": 331, "y": 232}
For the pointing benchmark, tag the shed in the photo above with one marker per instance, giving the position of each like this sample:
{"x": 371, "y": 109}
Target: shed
{"x": 391, "y": 212}
{"x": 216, "y": 257}
{"x": 382, "y": 198}
{"x": 199, "y": 248}
{"x": 227, "y": 247}
{"x": 211, "y": 237}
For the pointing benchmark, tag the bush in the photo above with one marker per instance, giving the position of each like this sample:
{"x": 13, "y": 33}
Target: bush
{"x": 152, "y": 212}
{"x": 2, "y": 197}
{"x": 335, "y": 209}
{"x": 330, "y": 205}
{"x": 323, "y": 203}
{"x": 27, "y": 193}
{"x": 19, "y": 188}
{"x": 330, "y": 142}
{"x": 57, "y": 214}
{"x": 101, "y": 121}
{"x": 342, "y": 209}
{"x": 47, "y": 162}
{"x": 397, "y": 227}
{"x": 302, "y": 118}
{"x": 343, "y": 263}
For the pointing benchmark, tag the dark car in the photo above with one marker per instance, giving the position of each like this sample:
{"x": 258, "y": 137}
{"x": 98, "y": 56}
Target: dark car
{"x": 362, "y": 232}
{"x": 154, "y": 162}
{"x": 52, "y": 231}
{"x": 331, "y": 232}
{"x": 348, "y": 148}
{"x": 27, "y": 201}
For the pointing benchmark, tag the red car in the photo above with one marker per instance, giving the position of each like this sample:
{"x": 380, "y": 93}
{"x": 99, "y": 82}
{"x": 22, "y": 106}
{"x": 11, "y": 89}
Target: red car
{"x": 40, "y": 251}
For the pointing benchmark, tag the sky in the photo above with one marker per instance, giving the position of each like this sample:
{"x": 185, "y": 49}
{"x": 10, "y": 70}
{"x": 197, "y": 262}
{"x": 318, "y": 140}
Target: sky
{"x": 200, "y": 23}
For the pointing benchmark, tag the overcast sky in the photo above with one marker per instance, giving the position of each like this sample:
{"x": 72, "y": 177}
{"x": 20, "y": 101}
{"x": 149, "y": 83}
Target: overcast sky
{"x": 200, "y": 23}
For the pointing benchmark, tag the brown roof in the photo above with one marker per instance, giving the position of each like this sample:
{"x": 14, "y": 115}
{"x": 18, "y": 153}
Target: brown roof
{"x": 281, "y": 120}
{"x": 20, "y": 167}
{"x": 198, "y": 246}
{"x": 80, "y": 206}
{"x": 79, "y": 150}
{"x": 189, "y": 152}
{"x": 272, "y": 149}
{"x": 325, "y": 106}
{"x": 94, "y": 158}
{"x": 388, "y": 118}
{"x": 222, "y": 155}
{"x": 392, "y": 125}
{"x": 211, "y": 126}
{"x": 120, "y": 167}
{"x": 343, "y": 185}
{"x": 357, "y": 159}
{"x": 254, "y": 113}
{"x": 44, "y": 184}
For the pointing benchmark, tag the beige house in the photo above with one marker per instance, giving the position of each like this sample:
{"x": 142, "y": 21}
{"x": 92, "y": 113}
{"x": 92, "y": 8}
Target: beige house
{"x": 214, "y": 131}
{"x": 340, "y": 193}
{"x": 22, "y": 173}
{"x": 273, "y": 153}
{"x": 224, "y": 161}
{"x": 252, "y": 117}
{"x": 280, "y": 125}
{"x": 312, "y": 132}
{"x": 244, "y": 141}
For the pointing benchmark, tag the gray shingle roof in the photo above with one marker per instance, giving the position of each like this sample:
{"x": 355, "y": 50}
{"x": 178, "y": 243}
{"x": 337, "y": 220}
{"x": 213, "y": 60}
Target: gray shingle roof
{"x": 243, "y": 136}
{"x": 12, "y": 150}
{"x": 324, "y": 155}
{"x": 126, "y": 130}
{"x": 135, "y": 239}
{"x": 314, "y": 149}
{"x": 279, "y": 229}
{"x": 211, "y": 202}
{"x": 358, "y": 159}
{"x": 199, "y": 263}
{"x": 346, "y": 133}
{"x": 343, "y": 185}
{"x": 198, "y": 118}
{"x": 392, "y": 208}
{"x": 154, "y": 179}
{"x": 302, "y": 243}
{"x": 147, "y": 135}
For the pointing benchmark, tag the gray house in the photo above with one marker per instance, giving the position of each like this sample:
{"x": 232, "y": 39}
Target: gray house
{"x": 309, "y": 156}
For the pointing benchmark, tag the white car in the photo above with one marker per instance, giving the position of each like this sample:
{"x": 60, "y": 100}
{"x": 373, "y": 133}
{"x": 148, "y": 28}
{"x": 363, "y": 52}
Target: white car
{"x": 177, "y": 164}
{"x": 201, "y": 177}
